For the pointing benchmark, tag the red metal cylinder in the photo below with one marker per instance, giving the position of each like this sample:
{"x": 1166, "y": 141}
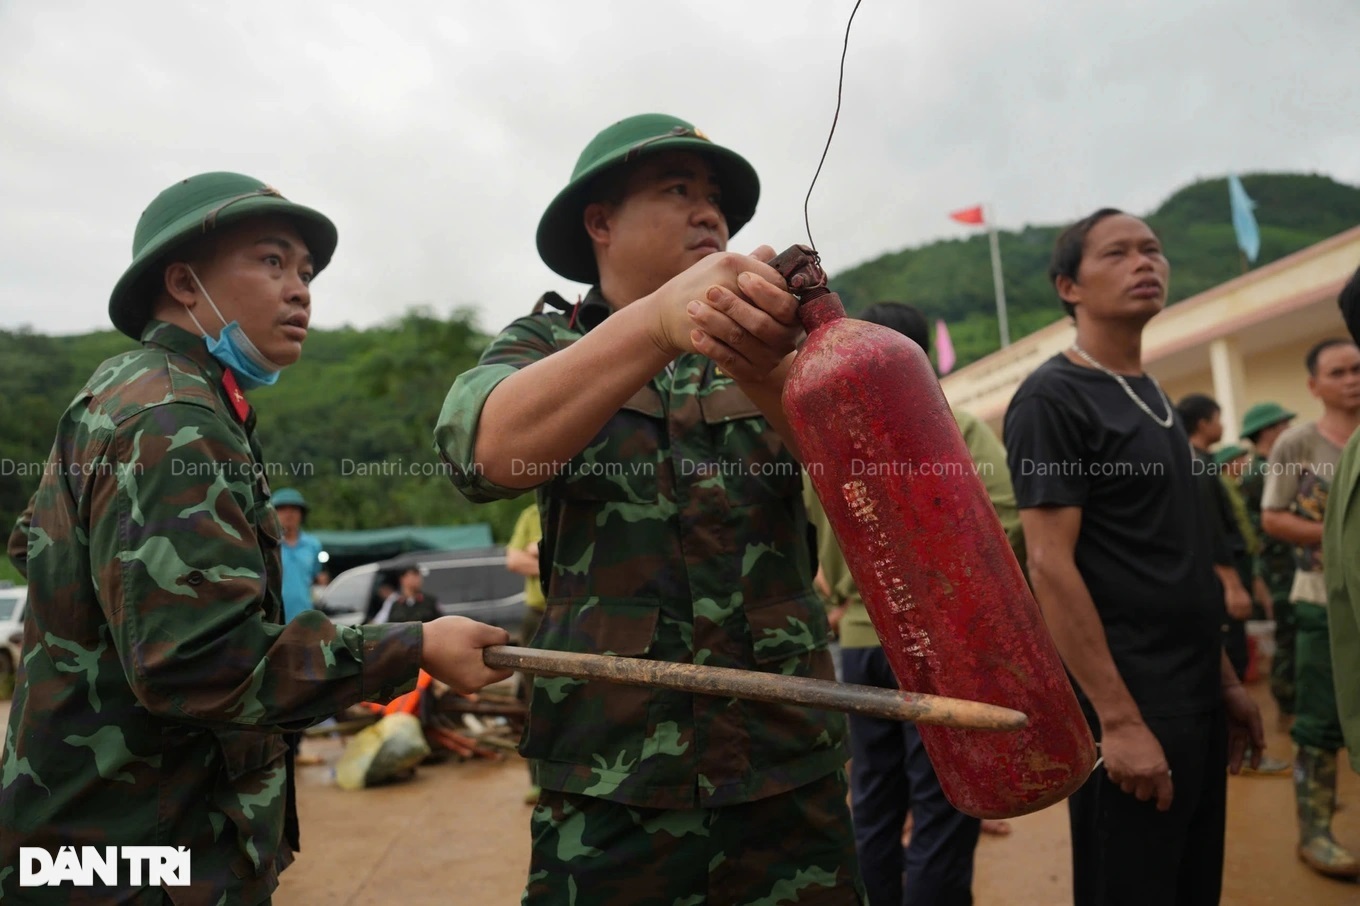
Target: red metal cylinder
{"x": 931, "y": 560}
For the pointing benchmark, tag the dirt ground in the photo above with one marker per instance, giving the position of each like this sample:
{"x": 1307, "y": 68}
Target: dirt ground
{"x": 458, "y": 833}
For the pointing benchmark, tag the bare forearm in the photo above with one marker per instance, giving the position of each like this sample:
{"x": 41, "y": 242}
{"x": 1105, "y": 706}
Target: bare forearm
{"x": 1229, "y": 577}
{"x": 521, "y": 562}
{"x": 546, "y": 413}
{"x": 1077, "y": 631}
{"x": 1289, "y": 527}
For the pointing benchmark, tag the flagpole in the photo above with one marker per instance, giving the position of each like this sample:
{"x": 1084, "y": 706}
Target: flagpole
{"x": 1000, "y": 286}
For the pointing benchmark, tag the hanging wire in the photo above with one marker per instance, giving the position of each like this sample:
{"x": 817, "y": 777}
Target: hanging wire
{"x": 840, "y": 84}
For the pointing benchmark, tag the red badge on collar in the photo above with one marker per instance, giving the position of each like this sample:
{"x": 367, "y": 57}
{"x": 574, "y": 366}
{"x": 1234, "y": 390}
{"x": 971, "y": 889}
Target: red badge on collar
{"x": 239, "y": 404}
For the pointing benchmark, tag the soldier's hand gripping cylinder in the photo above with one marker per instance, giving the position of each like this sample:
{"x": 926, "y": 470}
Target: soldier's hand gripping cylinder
{"x": 929, "y": 555}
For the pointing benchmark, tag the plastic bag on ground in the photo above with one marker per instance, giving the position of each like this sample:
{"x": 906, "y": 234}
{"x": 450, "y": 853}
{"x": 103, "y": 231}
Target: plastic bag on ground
{"x": 382, "y": 752}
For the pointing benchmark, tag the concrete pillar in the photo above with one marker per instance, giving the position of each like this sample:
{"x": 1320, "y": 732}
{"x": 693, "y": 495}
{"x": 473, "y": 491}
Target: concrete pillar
{"x": 1230, "y": 384}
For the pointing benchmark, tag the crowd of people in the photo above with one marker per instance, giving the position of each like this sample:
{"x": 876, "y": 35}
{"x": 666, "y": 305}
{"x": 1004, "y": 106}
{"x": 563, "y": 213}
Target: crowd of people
{"x": 168, "y": 649}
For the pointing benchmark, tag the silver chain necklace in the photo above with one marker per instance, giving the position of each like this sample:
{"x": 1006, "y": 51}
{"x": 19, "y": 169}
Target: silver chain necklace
{"x": 1170, "y": 413}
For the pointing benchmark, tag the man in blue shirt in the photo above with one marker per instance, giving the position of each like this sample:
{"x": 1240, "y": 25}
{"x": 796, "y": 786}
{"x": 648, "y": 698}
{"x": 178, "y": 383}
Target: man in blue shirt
{"x": 301, "y": 556}
{"x": 300, "y": 551}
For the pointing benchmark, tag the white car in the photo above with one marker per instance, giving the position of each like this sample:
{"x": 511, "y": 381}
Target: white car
{"x": 12, "y": 601}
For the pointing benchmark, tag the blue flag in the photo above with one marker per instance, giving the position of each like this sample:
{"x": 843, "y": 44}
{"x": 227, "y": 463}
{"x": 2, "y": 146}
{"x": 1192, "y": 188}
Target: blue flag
{"x": 1244, "y": 221}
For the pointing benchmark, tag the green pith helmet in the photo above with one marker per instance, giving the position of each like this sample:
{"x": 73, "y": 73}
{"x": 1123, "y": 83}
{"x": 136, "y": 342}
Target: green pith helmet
{"x": 1229, "y": 453}
{"x": 563, "y": 243}
{"x": 1262, "y": 416}
{"x": 288, "y": 497}
{"x": 194, "y": 207}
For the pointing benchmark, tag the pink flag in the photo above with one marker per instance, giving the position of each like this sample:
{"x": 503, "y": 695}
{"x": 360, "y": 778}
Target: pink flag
{"x": 944, "y": 348}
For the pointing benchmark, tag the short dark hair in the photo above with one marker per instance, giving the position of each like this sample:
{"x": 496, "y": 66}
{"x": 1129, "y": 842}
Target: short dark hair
{"x": 1311, "y": 359}
{"x": 1069, "y": 248}
{"x": 901, "y": 317}
{"x": 610, "y": 186}
{"x": 1195, "y": 410}
{"x": 196, "y": 251}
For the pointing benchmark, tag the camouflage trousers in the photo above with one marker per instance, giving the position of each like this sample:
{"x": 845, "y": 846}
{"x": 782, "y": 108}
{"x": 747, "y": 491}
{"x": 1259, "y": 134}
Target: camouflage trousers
{"x": 524, "y": 684}
{"x": 794, "y": 848}
{"x": 1316, "y": 720}
{"x": 1282, "y": 661}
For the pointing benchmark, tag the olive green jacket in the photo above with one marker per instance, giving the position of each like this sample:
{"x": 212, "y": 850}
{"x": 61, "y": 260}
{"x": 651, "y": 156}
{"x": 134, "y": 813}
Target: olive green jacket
{"x": 1341, "y": 563}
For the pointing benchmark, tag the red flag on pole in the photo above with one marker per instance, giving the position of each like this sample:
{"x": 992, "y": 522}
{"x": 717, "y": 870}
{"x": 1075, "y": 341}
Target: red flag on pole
{"x": 968, "y": 215}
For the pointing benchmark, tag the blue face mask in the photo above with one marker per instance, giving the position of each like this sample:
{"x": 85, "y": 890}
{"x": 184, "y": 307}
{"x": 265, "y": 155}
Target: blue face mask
{"x": 235, "y": 350}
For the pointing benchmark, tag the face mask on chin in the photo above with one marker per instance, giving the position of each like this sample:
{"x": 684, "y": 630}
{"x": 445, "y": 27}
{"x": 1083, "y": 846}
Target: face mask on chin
{"x": 234, "y": 349}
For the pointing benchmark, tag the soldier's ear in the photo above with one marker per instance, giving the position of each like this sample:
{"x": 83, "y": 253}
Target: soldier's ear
{"x": 179, "y": 284}
{"x": 596, "y": 220}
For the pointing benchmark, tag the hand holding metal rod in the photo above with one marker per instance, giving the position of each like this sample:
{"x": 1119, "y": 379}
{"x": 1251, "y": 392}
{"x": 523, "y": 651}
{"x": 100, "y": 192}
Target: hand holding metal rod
{"x": 869, "y": 701}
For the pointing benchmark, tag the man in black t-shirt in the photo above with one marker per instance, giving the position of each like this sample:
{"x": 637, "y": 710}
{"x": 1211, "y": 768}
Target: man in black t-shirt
{"x": 1201, "y": 417}
{"x": 409, "y": 603}
{"x": 1119, "y": 560}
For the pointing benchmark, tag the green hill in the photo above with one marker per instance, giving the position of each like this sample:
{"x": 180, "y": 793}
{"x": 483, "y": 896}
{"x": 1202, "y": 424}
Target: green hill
{"x": 953, "y": 279}
{"x": 350, "y": 425}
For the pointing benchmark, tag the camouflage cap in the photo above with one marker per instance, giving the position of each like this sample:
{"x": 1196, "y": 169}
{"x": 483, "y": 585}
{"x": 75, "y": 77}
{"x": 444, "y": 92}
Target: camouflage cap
{"x": 1262, "y": 416}
{"x": 562, "y": 240}
{"x": 195, "y": 207}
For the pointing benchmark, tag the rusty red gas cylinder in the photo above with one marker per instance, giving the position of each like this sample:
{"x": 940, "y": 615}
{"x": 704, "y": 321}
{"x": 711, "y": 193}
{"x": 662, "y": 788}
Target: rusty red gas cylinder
{"x": 931, "y": 559}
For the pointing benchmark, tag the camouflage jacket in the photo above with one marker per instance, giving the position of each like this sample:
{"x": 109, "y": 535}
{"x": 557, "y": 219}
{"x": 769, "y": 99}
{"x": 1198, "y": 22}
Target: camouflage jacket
{"x": 677, "y": 534}
{"x": 156, "y": 673}
{"x": 1275, "y": 561}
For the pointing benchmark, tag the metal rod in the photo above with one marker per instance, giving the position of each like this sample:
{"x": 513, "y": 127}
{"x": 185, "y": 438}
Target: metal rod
{"x": 870, "y": 701}
{"x": 998, "y": 282}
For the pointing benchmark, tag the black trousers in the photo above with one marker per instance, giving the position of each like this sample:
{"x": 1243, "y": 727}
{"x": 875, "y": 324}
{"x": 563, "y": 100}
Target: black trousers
{"x": 889, "y": 775}
{"x": 1126, "y": 853}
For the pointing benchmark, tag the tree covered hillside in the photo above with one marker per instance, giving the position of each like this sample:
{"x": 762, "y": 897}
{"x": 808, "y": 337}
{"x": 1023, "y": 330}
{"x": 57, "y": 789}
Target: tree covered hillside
{"x": 953, "y": 279}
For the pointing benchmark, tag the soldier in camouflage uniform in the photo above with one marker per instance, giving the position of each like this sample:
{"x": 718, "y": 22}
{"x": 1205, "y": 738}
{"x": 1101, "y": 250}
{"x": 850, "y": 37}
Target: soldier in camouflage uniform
{"x": 1273, "y": 564}
{"x": 1299, "y": 476}
{"x": 157, "y": 673}
{"x": 648, "y": 419}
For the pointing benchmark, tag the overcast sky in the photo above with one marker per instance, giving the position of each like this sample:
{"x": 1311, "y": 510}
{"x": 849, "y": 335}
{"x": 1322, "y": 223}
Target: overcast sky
{"x": 434, "y": 133}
